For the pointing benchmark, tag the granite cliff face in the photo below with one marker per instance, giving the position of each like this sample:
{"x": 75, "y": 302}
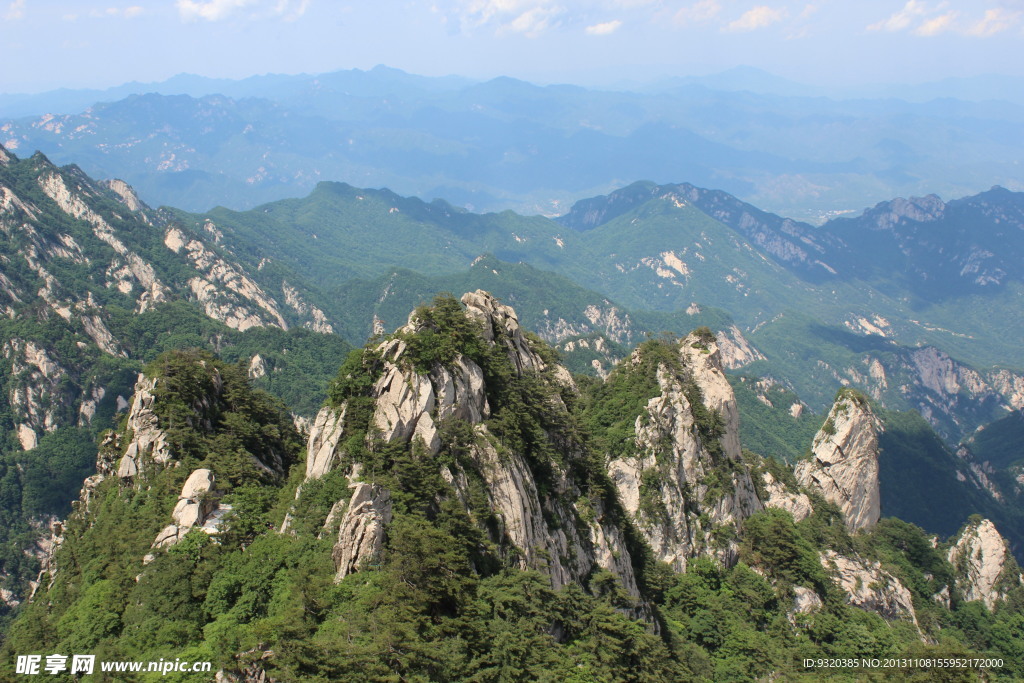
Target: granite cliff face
{"x": 542, "y": 514}
{"x": 73, "y": 250}
{"x": 870, "y": 587}
{"x": 844, "y": 462}
{"x": 686, "y": 484}
{"x": 985, "y": 568}
{"x": 783, "y": 497}
{"x": 148, "y": 442}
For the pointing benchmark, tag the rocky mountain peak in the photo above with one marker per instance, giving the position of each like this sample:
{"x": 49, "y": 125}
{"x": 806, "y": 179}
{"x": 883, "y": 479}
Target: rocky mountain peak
{"x": 702, "y": 358}
{"x": 499, "y": 320}
{"x": 844, "y": 462}
{"x": 451, "y": 381}
{"x": 926, "y": 209}
{"x": 684, "y": 481}
{"x": 985, "y": 568}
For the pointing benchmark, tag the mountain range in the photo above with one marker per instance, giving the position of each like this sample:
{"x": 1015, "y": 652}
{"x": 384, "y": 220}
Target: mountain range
{"x": 757, "y": 391}
{"x": 511, "y": 144}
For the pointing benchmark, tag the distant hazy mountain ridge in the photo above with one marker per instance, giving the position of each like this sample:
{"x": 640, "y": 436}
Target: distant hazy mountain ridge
{"x": 510, "y": 144}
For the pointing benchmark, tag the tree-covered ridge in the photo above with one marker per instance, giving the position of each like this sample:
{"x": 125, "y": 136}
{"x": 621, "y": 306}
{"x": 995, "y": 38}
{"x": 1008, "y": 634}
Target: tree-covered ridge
{"x": 446, "y": 598}
{"x": 96, "y": 598}
{"x": 91, "y": 291}
{"x": 86, "y": 392}
{"x": 612, "y": 406}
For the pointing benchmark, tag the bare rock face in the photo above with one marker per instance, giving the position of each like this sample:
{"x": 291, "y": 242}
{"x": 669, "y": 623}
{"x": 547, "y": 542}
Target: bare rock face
{"x": 193, "y": 507}
{"x": 844, "y": 462}
{"x": 36, "y": 396}
{"x": 983, "y": 563}
{"x": 561, "y": 552}
{"x": 870, "y": 587}
{"x": 322, "y": 448}
{"x": 317, "y": 319}
{"x": 805, "y": 601}
{"x": 779, "y": 496}
{"x": 257, "y": 367}
{"x": 196, "y": 507}
{"x": 147, "y": 440}
{"x": 227, "y": 293}
{"x": 361, "y": 534}
{"x": 735, "y": 349}
{"x": 405, "y": 399}
{"x": 498, "y": 318}
{"x": 670, "y": 448}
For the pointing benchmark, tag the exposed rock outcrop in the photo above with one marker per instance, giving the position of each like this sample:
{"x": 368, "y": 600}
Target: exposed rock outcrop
{"x": 805, "y": 601}
{"x": 225, "y": 291}
{"x": 667, "y": 486}
{"x": 36, "y": 394}
{"x": 147, "y": 439}
{"x": 735, "y": 349}
{"x": 844, "y": 461}
{"x": 780, "y": 496}
{"x": 985, "y": 569}
{"x": 322, "y": 448}
{"x": 317, "y": 318}
{"x": 196, "y": 507}
{"x": 536, "y": 523}
{"x": 257, "y": 367}
{"x": 870, "y": 587}
{"x": 75, "y": 204}
{"x": 361, "y": 534}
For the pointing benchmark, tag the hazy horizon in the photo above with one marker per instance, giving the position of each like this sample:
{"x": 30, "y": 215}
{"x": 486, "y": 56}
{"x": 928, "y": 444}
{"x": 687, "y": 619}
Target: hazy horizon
{"x": 66, "y": 44}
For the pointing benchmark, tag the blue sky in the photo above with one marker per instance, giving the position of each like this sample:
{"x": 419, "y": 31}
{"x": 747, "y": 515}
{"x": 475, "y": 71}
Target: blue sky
{"x": 56, "y": 43}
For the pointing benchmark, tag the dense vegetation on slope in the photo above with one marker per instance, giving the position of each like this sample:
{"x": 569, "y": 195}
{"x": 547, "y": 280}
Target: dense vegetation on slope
{"x": 925, "y": 482}
{"x": 439, "y": 604}
{"x": 768, "y": 425}
{"x": 1000, "y": 443}
{"x": 38, "y": 486}
{"x": 551, "y": 304}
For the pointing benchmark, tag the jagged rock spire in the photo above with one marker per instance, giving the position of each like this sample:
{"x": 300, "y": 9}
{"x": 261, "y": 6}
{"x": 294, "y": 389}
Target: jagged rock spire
{"x": 983, "y": 563}
{"x": 844, "y": 461}
{"x": 678, "y": 517}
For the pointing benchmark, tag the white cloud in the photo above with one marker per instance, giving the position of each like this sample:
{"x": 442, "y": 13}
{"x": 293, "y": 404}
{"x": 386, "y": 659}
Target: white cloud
{"x": 809, "y": 10}
{"x": 936, "y": 25}
{"x": 15, "y": 10}
{"x": 532, "y": 22}
{"x": 922, "y": 20}
{"x": 291, "y": 10}
{"x": 604, "y": 29}
{"x": 902, "y": 19}
{"x": 995, "y": 21}
{"x": 697, "y": 13}
{"x": 528, "y": 17}
{"x": 211, "y": 10}
{"x": 217, "y": 10}
{"x": 755, "y": 18}
{"x": 98, "y": 13}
